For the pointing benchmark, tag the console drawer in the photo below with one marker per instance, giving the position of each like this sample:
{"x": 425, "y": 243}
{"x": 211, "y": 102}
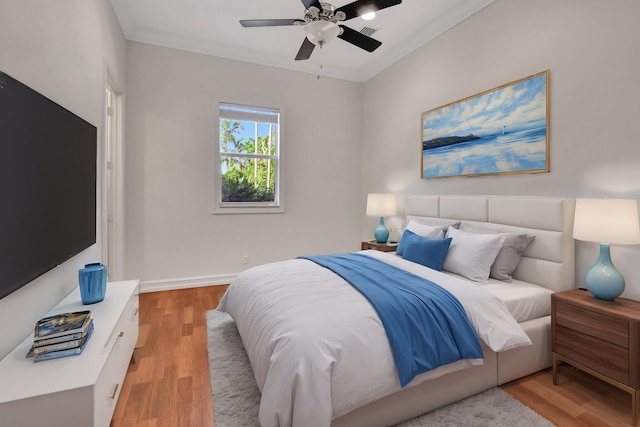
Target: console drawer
{"x": 120, "y": 345}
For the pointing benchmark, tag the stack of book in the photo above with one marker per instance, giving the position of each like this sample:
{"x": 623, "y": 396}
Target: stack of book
{"x": 61, "y": 335}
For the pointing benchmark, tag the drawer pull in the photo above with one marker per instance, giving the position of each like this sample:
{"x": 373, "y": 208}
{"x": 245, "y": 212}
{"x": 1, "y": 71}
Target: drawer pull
{"x": 112, "y": 341}
{"x": 115, "y": 392}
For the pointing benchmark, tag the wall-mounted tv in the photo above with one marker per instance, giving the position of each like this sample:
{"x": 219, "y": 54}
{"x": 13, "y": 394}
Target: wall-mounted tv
{"x": 47, "y": 184}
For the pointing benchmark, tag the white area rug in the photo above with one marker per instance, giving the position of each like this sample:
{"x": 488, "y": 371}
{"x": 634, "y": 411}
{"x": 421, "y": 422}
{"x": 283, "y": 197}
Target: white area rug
{"x": 236, "y": 397}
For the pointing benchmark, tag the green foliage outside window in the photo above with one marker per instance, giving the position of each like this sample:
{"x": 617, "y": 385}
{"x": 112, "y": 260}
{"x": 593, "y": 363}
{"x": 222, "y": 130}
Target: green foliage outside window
{"x": 248, "y": 167}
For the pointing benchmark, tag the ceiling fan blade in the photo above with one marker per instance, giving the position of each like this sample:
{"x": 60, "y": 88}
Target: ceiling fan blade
{"x": 269, "y": 22}
{"x": 305, "y": 50}
{"x": 308, "y": 3}
{"x": 358, "y": 39}
{"x": 359, "y": 7}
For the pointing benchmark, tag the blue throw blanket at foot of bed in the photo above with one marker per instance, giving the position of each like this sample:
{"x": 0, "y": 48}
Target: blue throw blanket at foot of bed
{"x": 426, "y": 325}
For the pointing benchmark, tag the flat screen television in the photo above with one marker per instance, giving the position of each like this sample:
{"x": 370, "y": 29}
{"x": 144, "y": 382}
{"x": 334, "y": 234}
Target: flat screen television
{"x": 48, "y": 172}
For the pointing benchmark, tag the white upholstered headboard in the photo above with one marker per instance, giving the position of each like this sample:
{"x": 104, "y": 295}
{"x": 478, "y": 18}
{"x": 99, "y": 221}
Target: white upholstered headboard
{"x": 550, "y": 259}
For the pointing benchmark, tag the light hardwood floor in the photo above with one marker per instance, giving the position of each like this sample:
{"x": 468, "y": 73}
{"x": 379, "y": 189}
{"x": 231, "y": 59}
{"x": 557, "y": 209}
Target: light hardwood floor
{"x": 167, "y": 384}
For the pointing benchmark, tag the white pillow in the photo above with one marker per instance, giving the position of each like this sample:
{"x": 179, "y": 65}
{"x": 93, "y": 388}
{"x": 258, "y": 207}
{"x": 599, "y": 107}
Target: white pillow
{"x": 424, "y": 230}
{"x": 510, "y": 254}
{"x": 471, "y": 255}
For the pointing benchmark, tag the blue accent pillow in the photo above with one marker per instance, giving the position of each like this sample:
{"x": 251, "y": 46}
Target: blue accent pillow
{"x": 428, "y": 252}
{"x": 404, "y": 240}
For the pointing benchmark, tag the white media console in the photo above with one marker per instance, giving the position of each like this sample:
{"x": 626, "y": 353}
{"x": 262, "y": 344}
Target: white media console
{"x": 78, "y": 390}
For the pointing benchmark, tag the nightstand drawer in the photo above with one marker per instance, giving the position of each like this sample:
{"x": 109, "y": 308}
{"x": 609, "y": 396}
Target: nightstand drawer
{"x": 601, "y": 356}
{"x": 607, "y": 328}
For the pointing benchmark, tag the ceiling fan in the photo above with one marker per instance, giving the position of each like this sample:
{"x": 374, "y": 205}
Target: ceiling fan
{"x": 321, "y": 24}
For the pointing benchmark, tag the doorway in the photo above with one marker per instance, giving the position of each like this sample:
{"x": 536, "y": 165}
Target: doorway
{"x": 114, "y": 183}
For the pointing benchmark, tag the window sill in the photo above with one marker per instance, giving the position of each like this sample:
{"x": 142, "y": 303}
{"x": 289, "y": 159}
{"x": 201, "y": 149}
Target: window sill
{"x": 239, "y": 210}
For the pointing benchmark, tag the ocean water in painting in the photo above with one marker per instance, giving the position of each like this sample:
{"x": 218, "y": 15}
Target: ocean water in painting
{"x": 514, "y": 151}
{"x": 500, "y": 131}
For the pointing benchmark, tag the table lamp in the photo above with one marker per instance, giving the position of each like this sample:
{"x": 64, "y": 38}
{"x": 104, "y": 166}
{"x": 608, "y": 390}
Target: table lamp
{"x": 606, "y": 221}
{"x": 381, "y": 205}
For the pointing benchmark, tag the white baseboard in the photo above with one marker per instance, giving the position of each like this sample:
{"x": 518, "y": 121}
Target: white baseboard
{"x": 184, "y": 283}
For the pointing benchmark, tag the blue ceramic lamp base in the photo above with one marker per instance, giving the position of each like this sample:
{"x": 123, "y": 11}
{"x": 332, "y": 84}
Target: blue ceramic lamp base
{"x": 602, "y": 279}
{"x": 381, "y": 233}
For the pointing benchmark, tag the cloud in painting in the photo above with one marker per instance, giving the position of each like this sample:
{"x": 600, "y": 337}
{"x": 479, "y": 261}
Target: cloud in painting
{"x": 520, "y": 105}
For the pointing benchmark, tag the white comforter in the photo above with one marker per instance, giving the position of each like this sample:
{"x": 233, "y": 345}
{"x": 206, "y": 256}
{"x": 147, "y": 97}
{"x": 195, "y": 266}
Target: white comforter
{"x": 317, "y": 347}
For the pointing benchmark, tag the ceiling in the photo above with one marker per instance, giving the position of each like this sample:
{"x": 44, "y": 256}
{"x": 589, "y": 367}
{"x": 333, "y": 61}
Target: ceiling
{"x": 211, "y": 27}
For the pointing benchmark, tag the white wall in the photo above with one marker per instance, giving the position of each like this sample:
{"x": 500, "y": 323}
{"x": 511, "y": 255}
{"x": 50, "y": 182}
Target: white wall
{"x": 173, "y": 237}
{"x": 62, "y": 50}
{"x": 590, "y": 47}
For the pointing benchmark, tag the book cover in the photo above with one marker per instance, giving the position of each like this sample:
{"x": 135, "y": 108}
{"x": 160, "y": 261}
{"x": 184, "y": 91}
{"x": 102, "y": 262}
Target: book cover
{"x": 74, "y": 343}
{"x": 63, "y": 353}
{"x": 62, "y": 338}
{"x": 62, "y": 324}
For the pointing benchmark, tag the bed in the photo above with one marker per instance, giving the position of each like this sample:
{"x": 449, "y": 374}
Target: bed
{"x": 340, "y": 371}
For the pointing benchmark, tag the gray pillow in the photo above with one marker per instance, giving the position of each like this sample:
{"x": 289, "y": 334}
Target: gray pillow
{"x": 510, "y": 254}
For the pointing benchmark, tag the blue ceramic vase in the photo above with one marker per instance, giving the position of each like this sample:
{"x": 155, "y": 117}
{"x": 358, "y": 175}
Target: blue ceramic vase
{"x": 93, "y": 283}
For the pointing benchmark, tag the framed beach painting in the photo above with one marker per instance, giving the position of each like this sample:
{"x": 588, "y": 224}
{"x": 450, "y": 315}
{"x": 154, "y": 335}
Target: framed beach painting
{"x": 501, "y": 131}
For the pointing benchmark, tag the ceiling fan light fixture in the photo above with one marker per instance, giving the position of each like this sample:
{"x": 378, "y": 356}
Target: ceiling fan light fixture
{"x": 322, "y": 32}
{"x": 323, "y": 23}
{"x": 368, "y": 16}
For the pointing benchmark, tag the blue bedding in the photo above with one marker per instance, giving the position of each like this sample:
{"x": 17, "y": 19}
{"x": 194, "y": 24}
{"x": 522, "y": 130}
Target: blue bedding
{"x": 427, "y": 327}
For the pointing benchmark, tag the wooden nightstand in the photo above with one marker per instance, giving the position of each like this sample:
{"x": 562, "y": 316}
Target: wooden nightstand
{"x": 383, "y": 247}
{"x": 599, "y": 337}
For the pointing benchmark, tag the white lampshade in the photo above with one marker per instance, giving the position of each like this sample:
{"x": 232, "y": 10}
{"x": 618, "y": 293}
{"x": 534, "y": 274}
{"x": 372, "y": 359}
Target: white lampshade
{"x": 381, "y": 204}
{"x": 607, "y": 221}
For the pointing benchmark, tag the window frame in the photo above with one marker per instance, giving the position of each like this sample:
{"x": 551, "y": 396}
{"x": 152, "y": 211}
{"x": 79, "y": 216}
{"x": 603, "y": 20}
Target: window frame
{"x": 277, "y": 206}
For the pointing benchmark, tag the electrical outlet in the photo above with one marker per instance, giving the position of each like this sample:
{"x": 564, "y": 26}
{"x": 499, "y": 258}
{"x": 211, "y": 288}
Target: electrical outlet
{"x": 245, "y": 259}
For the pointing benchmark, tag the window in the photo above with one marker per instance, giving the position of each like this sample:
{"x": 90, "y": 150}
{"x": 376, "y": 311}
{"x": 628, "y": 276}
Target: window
{"x": 248, "y": 160}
